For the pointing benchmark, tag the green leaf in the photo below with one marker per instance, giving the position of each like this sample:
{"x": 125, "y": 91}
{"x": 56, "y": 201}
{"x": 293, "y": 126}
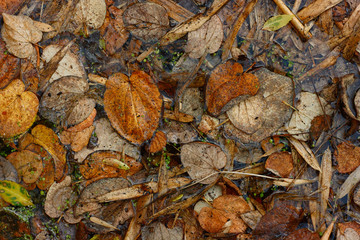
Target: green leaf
{"x": 277, "y": 22}
{"x": 14, "y": 193}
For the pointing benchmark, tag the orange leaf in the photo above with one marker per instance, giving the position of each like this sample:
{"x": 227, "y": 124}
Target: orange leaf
{"x": 46, "y": 138}
{"x": 133, "y": 105}
{"x": 9, "y": 66}
{"x": 158, "y": 142}
{"x": 227, "y": 82}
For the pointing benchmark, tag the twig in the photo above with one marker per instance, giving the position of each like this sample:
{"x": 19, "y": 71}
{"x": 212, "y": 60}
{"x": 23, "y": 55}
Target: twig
{"x": 295, "y": 21}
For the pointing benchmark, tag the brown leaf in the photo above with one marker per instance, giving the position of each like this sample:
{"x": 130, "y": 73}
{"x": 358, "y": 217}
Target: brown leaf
{"x": 9, "y": 66}
{"x": 304, "y": 150}
{"x": 46, "y": 138}
{"x": 95, "y": 167}
{"x": 159, "y": 231}
{"x": 84, "y": 124}
{"x": 10, "y": 6}
{"x": 348, "y": 157}
{"x": 108, "y": 139}
{"x": 303, "y": 233}
{"x": 215, "y": 221}
{"x": 348, "y": 230}
{"x": 203, "y": 160}
{"x": 115, "y": 33}
{"x": 147, "y": 21}
{"x": 318, "y": 125}
{"x": 64, "y": 101}
{"x": 206, "y": 39}
{"x": 325, "y": 181}
{"x": 158, "y": 142}
{"x": 280, "y": 163}
{"x": 279, "y": 221}
{"x": 231, "y": 204}
{"x": 19, "y": 33}
{"x": 274, "y": 90}
{"x": 133, "y": 105}
{"x": 78, "y": 140}
{"x": 28, "y": 165}
{"x": 8, "y": 171}
{"x": 227, "y": 82}
{"x": 18, "y": 109}
{"x": 59, "y": 197}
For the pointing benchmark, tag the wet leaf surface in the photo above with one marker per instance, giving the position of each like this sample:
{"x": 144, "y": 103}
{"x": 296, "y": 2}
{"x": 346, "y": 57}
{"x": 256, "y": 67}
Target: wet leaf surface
{"x": 347, "y": 156}
{"x": 277, "y": 22}
{"x": 227, "y": 82}
{"x": 19, "y": 109}
{"x": 147, "y": 21}
{"x": 206, "y": 39}
{"x": 203, "y": 160}
{"x": 14, "y": 193}
{"x": 159, "y": 231}
{"x": 272, "y": 94}
{"x": 133, "y": 105}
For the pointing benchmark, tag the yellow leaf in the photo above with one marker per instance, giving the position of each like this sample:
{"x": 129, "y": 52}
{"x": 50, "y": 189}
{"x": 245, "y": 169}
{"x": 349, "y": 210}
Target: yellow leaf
{"x": 14, "y": 194}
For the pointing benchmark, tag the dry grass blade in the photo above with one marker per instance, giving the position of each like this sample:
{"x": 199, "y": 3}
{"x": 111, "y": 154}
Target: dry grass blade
{"x": 304, "y": 150}
{"x": 102, "y": 223}
{"x": 139, "y": 190}
{"x": 175, "y": 11}
{"x": 325, "y": 181}
{"x": 285, "y": 182}
{"x": 349, "y": 183}
{"x": 328, "y": 231}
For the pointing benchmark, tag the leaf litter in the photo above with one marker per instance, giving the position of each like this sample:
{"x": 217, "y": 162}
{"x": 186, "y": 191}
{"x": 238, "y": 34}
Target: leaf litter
{"x": 136, "y": 147}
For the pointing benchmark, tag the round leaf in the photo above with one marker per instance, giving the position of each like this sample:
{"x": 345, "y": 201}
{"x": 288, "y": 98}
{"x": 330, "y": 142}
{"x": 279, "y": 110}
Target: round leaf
{"x": 133, "y": 105}
{"x": 18, "y": 109}
{"x": 202, "y": 159}
{"x": 227, "y": 82}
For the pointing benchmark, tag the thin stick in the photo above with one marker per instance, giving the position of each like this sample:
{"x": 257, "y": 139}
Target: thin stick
{"x": 295, "y": 21}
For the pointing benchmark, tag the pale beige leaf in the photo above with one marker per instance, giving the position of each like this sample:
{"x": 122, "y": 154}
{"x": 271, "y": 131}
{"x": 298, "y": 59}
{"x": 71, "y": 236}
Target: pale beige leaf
{"x": 285, "y": 182}
{"x": 159, "y": 231}
{"x": 349, "y": 183}
{"x": 203, "y": 160}
{"x": 304, "y": 150}
{"x": 314, "y": 213}
{"x": 357, "y": 103}
{"x": 309, "y": 106}
{"x": 325, "y": 181}
{"x": 90, "y": 12}
{"x": 206, "y": 39}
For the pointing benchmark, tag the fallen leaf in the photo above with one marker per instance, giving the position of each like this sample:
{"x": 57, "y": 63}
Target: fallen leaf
{"x": 64, "y": 101}
{"x": 251, "y": 218}
{"x": 215, "y": 221}
{"x": 308, "y": 108}
{"x": 8, "y": 171}
{"x": 206, "y": 39}
{"x": 88, "y": 12}
{"x": 68, "y": 66}
{"x": 10, "y": 6}
{"x": 12, "y": 225}
{"x": 208, "y": 124}
{"x": 108, "y": 139}
{"x": 77, "y": 140}
{"x": 349, "y": 183}
{"x": 159, "y": 231}
{"x": 277, "y": 22}
{"x": 46, "y": 138}
{"x": 191, "y": 103}
{"x": 232, "y": 204}
{"x": 59, "y": 198}
{"x": 279, "y": 221}
{"x": 115, "y": 33}
{"x": 147, "y": 21}
{"x": 348, "y": 231}
{"x": 304, "y": 150}
{"x": 19, "y": 109}
{"x": 96, "y": 189}
{"x": 213, "y": 193}
{"x": 158, "y": 142}
{"x": 97, "y": 165}
{"x": 177, "y": 116}
{"x": 19, "y": 33}
{"x": 203, "y": 160}
{"x": 348, "y": 157}
{"x": 84, "y": 124}
{"x": 15, "y": 194}
{"x": 275, "y": 90}
{"x": 133, "y": 105}
{"x": 227, "y": 82}
{"x": 303, "y": 233}
{"x": 319, "y": 125}
{"x": 357, "y": 103}
{"x": 9, "y": 66}
{"x": 28, "y": 165}
{"x": 280, "y": 163}
{"x": 177, "y": 132}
